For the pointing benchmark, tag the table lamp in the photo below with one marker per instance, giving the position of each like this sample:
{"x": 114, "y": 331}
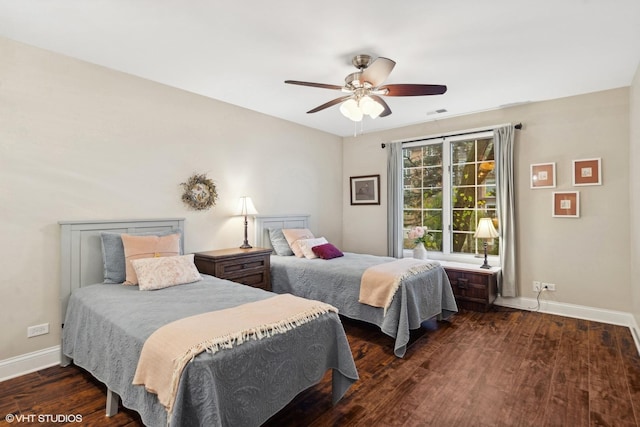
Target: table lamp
{"x": 485, "y": 231}
{"x": 245, "y": 208}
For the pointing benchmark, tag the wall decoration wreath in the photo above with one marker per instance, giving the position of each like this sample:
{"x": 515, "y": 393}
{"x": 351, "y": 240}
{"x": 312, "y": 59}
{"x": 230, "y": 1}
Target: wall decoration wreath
{"x": 199, "y": 192}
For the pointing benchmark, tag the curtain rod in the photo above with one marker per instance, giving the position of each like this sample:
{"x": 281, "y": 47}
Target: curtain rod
{"x": 517, "y": 126}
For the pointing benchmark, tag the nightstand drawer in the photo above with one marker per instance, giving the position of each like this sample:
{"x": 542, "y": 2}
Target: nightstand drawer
{"x": 246, "y": 266}
{"x": 243, "y": 265}
{"x": 473, "y": 290}
{"x": 468, "y": 284}
{"x": 256, "y": 279}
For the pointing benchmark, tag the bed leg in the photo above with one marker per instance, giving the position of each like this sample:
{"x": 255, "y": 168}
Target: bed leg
{"x": 112, "y": 403}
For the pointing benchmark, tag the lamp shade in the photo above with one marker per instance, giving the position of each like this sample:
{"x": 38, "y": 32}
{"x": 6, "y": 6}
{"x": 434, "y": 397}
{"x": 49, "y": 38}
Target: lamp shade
{"x": 245, "y": 207}
{"x": 485, "y": 229}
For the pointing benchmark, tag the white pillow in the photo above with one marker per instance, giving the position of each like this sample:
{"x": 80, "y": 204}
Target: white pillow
{"x": 306, "y": 246}
{"x": 163, "y": 272}
{"x": 294, "y": 235}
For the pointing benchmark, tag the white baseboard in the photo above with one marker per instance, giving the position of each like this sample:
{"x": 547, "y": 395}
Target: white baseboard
{"x": 30, "y": 362}
{"x": 635, "y": 331}
{"x": 576, "y": 311}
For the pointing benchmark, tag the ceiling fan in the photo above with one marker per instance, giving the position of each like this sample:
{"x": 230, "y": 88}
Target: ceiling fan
{"x": 365, "y": 89}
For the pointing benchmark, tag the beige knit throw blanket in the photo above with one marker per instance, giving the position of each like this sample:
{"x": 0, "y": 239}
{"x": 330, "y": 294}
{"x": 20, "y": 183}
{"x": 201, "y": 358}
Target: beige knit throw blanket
{"x": 168, "y": 350}
{"x": 380, "y": 282}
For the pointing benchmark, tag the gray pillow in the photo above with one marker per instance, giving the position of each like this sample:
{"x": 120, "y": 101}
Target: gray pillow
{"x": 279, "y": 243}
{"x": 113, "y": 253}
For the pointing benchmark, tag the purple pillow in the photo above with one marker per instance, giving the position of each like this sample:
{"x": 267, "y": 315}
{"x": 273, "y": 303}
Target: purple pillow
{"x": 327, "y": 251}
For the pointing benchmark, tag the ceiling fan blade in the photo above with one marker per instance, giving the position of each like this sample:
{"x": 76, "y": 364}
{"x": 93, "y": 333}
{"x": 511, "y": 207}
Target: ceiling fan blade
{"x": 378, "y": 71}
{"x": 329, "y": 104}
{"x": 387, "y": 110}
{"x": 320, "y": 85}
{"x": 413, "y": 90}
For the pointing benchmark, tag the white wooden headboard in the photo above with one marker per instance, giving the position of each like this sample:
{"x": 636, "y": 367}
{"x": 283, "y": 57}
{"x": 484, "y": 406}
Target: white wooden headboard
{"x": 81, "y": 249}
{"x": 265, "y": 222}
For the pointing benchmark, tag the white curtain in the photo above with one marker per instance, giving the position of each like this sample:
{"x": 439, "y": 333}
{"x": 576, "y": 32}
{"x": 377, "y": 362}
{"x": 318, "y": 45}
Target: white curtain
{"x": 503, "y": 142}
{"x": 394, "y": 199}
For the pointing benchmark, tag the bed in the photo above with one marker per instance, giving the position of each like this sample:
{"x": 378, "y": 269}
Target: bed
{"x": 337, "y": 282}
{"x": 106, "y": 326}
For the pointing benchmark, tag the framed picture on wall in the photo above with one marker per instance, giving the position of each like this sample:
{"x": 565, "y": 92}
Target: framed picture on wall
{"x": 566, "y": 204}
{"x": 365, "y": 190}
{"x": 587, "y": 172}
{"x": 543, "y": 175}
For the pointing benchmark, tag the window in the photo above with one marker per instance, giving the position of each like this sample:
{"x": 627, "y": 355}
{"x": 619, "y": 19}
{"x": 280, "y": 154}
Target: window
{"x": 448, "y": 186}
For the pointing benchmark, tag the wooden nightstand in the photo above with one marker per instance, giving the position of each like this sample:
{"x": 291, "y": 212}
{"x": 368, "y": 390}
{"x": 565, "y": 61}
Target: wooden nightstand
{"x": 247, "y": 266}
{"x": 475, "y": 288}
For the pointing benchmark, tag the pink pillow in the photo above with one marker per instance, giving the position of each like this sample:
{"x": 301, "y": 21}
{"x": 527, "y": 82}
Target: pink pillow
{"x": 136, "y": 247}
{"x": 293, "y": 235}
{"x": 327, "y": 251}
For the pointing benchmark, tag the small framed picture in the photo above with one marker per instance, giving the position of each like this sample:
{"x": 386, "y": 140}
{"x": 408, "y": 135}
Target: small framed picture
{"x": 543, "y": 175}
{"x": 365, "y": 190}
{"x": 566, "y": 204}
{"x": 587, "y": 172}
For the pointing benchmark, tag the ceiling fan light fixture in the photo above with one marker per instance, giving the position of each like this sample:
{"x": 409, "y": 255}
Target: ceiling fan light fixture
{"x": 351, "y": 110}
{"x": 356, "y": 110}
{"x": 370, "y": 107}
{"x": 366, "y": 105}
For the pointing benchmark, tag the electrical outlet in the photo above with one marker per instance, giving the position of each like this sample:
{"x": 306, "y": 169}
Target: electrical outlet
{"x": 549, "y": 286}
{"x": 34, "y": 331}
{"x": 536, "y": 286}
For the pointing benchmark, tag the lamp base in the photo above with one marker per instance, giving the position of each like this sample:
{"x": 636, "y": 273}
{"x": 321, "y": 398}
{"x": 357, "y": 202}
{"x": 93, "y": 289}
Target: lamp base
{"x": 486, "y": 264}
{"x": 245, "y": 244}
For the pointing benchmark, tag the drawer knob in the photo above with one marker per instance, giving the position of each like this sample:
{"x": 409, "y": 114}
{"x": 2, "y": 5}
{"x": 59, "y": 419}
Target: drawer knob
{"x": 462, "y": 283}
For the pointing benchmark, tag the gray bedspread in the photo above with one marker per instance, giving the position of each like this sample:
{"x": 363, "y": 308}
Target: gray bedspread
{"x": 107, "y": 325}
{"x": 337, "y": 282}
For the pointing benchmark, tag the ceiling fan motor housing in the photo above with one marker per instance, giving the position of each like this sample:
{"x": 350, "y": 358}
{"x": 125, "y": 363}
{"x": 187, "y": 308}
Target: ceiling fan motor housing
{"x": 354, "y": 81}
{"x": 361, "y": 61}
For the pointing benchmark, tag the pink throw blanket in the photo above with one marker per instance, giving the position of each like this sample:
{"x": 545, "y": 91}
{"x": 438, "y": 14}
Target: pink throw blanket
{"x": 380, "y": 282}
{"x": 168, "y": 350}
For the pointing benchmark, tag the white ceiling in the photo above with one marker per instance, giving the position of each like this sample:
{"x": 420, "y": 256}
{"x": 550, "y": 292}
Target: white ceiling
{"x": 489, "y": 53}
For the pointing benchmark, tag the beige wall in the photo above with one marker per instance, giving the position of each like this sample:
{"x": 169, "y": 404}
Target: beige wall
{"x": 78, "y": 141}
{"x": 634, "y": 161}
{"x": 587, "y": 258}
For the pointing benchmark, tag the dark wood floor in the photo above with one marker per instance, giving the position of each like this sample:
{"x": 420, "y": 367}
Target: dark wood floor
{"x": 504, "y": 368}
